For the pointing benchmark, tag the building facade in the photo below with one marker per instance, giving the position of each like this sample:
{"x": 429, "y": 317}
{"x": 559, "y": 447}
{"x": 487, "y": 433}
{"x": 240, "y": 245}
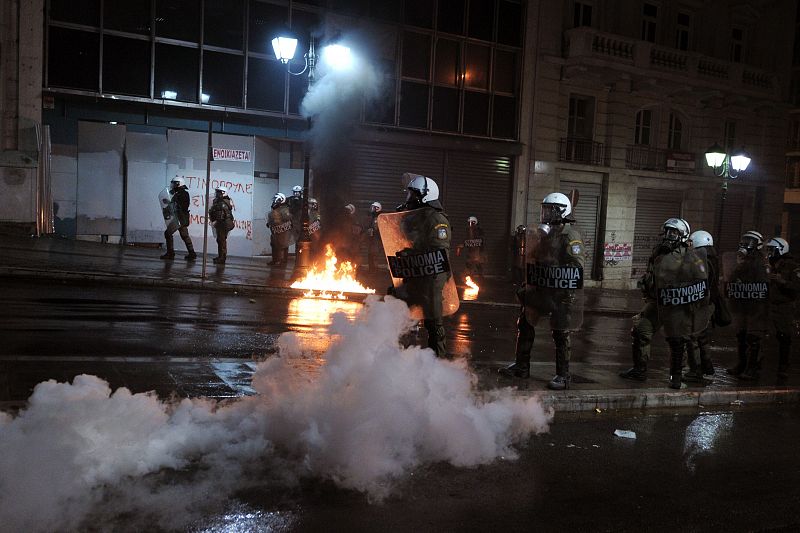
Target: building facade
{"x": 500, "y": 101}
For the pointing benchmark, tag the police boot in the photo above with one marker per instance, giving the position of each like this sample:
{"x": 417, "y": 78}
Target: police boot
{"x": 638, "y": 372}
{"x": 521, "y": 368}
{"x": 695, "y": 373}
{"x": 170, "y": 253}
{"x": 753, "y": 362}
{"x": 706, "y": 366}
{"x": 562, "y": 379}
{"x": 676, "y": 362}
{"x": 741, "y": 347}
{"x": 436, "y": 338}
{"x": 784, "y": 348}
{"x": 191, "y": 256}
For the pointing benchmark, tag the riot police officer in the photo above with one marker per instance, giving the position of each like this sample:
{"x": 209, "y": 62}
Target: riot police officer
{"x": 473, "y": 248}
{"x": 180, "y": 202}
{"x": 374, "y": 246}
{"x": 784, "y": 288}
{"x": 747, "y": 289}
{"x": 699, "y": 359}
{"x": 295, "y": 203}
{"x": 553, "y": 288}
{"x": 221, "y": 215}
{"x": 518, "y": 253}
{"x": 315, "y": 228}
{"x": 280, "y": 224}
{"x": 428, "y": 229}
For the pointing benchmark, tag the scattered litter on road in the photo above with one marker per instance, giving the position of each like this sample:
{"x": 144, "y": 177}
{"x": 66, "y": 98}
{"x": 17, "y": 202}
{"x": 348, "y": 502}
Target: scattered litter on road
{"x": 624, "y": 433}
{"x": 737, "y": 402}
{"x": 252, "y": 301}
{"x": 598, "y": 410}
{"x": 595, "y": 445}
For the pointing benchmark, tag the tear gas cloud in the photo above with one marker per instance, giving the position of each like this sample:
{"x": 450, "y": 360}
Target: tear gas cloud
{"x": 81, "y": 454}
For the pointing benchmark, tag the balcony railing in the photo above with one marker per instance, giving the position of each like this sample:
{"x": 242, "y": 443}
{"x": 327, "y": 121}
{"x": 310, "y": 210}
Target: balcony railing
{"x": 640, "y": 157}
{"x": 578, "y": 150}
{"x": 695, "y": 68}
{"x": 792, "y": 173}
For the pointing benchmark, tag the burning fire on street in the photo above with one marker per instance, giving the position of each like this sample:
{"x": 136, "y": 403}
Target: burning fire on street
{"x": 471, "y": 290}
{"x": 332, "y": 280}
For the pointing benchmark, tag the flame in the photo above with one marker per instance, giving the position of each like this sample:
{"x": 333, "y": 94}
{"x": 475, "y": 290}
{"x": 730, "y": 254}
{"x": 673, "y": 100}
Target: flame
{"x": 471, "y": 290}
{"x": 331, "y": 281}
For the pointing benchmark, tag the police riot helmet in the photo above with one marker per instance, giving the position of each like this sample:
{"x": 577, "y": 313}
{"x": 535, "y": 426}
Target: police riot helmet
{"x": 222, "y": 190}
{"x": 312, "y": 203}
{"x": 751, "y": 241}
{"x": 350, "y": 208}
{"x": 472, "y": 220}
{"x": 777, "y": 247}
{"x": 297, "y": 190}
{"x": 556, "y": 208}
{"x": 376, "y": 207}
{"x": 177, "y": 181}
{"x": 675, "y": 230}
{"x": 701, "y": 238}
{"x": 521, "y": 228}
{"x": 422, "y": 188}
{"x": 278, "y": 199}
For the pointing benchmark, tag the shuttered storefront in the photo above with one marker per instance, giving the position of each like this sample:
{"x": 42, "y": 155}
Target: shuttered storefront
{"x": 470, "y": 184}
{"x": 587, "y": 215}
{"x": 653, "y": 208}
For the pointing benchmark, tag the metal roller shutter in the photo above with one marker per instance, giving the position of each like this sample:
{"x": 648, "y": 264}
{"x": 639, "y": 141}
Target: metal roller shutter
{"x": 653, "y": 207}
{"x": 586, "y": 214}
{"x": 480, "y": 185}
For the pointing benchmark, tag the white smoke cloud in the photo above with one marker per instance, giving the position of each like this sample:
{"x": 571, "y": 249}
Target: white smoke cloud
{"x": 80, "y": 453}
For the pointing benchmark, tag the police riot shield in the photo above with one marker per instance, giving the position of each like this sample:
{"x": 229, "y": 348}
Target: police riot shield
{"x": 683, "y": 295}
{"x": 168, "y": 210}
{"x": 746, "y": 287}
{"x": 554, "y": 259}
{"x": 421, "y": 279}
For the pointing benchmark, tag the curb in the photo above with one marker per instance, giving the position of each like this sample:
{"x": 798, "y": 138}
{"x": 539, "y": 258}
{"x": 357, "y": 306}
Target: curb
{"x": 590, "y": 400}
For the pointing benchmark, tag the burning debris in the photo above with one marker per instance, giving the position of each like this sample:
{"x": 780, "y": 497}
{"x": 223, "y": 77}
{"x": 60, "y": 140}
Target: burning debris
{"x": 332, "y": 280}
{"x": 471, "y": 290}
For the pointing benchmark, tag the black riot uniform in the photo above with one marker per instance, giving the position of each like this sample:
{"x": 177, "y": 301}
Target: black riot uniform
{"x": 180, "y": 201}
{"x": 221, "y": 215}
{"x": 518, "y": 255}
{"x": 784, "y": 288}
{"x": 747, "y": 290}
{"x": 553, "y": 288}
{"x": 281, "y": 225}
{"x": 473, "y": 249}
{"x": 315, "y": 229}
{"x": 374, "y": 245}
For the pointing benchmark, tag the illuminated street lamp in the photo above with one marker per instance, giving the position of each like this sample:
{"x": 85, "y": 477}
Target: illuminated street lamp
{"x": 727, "y": 167}
{"x": 337, "y": 57}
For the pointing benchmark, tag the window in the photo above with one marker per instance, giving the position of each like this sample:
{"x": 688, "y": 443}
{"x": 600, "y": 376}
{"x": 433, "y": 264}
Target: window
{"x": 177, "y": 71}
{"x": 481, "y": 19}
{"x": 649, "y": 22}
{"x": 78, "y": 11}
{"x": 126, "y": 66}
{"x": 445, "y": 109}
{"x": 266, "y": 21}
{"x": 476, "y": 113}
{"x": 675, "y": 130}
{"x": 580, "y": 123}
{"x": 414, "y": 105}
{"x": 477, "y": 72}
{"x": 683, "y": 31}
{"x": 509, "y": 18}
{"x": 448, "y": 61}
{"x": 450, "y": 16}
{"x": 737, "y": 45}
{"x": 505, "y": 71}
{"x": 224, "y": 23}
{"x": 504, "y": 117}
{"x": 73, "y": 59}
{"x": 419, "y": 13}
{"x": 131, "y": 16}
{"x": 178, "y": 19}
{"x": 644, "y": 121}
{"x": 730, "y": 135}
{"x": 222, "y": 78}
{"x": 416, "y": 55}
{"x": 582, "y": 14}
{"x": 266, "y": 84}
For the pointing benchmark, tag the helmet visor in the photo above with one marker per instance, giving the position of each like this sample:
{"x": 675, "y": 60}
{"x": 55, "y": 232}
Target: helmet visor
{"x": 672, "y": 234}
{"x": 748, "y": 243}
{"x": 551, "y": 213}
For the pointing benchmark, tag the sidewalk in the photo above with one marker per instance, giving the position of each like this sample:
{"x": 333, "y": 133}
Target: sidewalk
{"x": 596, "y": 384}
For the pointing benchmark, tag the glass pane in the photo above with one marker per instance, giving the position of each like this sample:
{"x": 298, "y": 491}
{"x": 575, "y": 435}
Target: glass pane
{"x": 126, "y": 66}
{"x": 445, "y": 109}
{"x": 381, "y": 109}
{"x": 509, "y": 23}
{"x": 178, "y": 19}
{"x": 222, "y": 78}
{"x": 419, "y": 13}
{"x": 477, "y": 71}
{"x": 476, "y": 113}
{"x": 505, "y": 71}
{"x": 504, "y": 123}
{"x": 177, "y": 71}
{"x": 131, "y": 15}
{"x": 77, "y": 11}
{"x": 414, "y": 104}
{"x": 266, "y": 84}
{"x": 350, "y": 7}
{"x": 450, "y": 16}
{"x": 224, "y": 23}
{"x": 73, "y": 59}
{"x": 266, "y": 21}
{"x": 447, "y": 62}
{"x": 390, "y": 10}
{"x": 481, "y": 19}
{"x": 416, "y": 55}
{"x": 298, "y": 86}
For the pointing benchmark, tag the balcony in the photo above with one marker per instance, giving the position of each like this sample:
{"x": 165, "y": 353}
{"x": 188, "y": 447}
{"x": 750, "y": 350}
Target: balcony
{"x": 588, "y": 47}
{"x": 585, "y": 151}
{"x": 638, "y": 157}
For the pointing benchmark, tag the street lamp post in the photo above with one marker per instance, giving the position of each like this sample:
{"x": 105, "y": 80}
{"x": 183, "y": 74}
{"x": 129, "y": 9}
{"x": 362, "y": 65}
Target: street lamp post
{"x": 727, "y": 167}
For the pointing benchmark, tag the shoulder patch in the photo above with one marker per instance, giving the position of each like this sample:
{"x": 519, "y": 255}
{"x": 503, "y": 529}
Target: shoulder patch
{"x": 441, "y": 231}
{"x": 577, "y": 249}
